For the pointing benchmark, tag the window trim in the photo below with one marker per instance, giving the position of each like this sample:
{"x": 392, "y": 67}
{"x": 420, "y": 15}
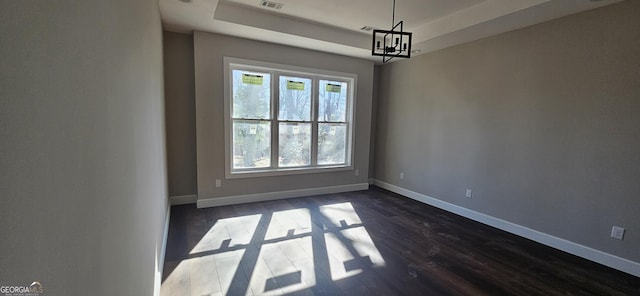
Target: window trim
{"x": 230, "y": 63}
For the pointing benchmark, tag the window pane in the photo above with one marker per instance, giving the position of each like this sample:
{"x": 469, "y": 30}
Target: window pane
{"x": 332, "y": 106}
{"x": 332, "y": 140}
{"x": 251, "y": 95}
{"x": 295, "y": 144}
{"x": 295, "y": 99}
{"x": 251, "y": 144}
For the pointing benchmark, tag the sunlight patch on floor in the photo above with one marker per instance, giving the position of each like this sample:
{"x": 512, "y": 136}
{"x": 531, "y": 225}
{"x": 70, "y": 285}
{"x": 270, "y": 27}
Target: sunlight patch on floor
{"x": 279, "y": 272}
{"x": 232, "y": 231}
{"x": 211, "y": 274}
{"x": 341, "y": 213}
{"x": 279, "y": 259}
{"x": 289, "y": 222}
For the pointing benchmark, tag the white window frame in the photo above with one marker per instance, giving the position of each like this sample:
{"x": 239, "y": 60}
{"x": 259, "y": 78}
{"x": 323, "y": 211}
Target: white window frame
{"x": 277, "y": 70}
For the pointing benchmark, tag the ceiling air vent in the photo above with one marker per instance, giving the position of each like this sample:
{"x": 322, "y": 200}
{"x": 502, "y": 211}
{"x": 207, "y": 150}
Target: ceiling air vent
{"x": 367, "y": 28}
{"x": 271, "y": 4}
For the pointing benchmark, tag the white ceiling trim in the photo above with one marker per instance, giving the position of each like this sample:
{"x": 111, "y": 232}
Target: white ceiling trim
{"x": 236, "y": 14}
{"x": 472, "y": 16}
{"x": 545, "y": 11}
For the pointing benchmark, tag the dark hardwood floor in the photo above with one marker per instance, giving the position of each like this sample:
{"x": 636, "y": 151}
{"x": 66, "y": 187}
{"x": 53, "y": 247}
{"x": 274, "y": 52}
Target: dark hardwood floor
{"x": 365, "y": 243}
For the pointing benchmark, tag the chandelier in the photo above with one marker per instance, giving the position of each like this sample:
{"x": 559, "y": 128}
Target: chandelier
{"x": 394, "y": 43}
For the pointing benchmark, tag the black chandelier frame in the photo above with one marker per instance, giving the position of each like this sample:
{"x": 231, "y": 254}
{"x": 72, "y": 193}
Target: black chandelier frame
{"x": 392, "y": 43}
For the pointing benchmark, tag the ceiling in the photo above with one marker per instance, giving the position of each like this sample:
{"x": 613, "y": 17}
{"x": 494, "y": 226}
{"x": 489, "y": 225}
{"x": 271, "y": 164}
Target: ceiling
{"x": 336, "y": 25}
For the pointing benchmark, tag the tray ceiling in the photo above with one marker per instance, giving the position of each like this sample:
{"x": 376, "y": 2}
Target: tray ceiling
{"x": 335, "y": 25}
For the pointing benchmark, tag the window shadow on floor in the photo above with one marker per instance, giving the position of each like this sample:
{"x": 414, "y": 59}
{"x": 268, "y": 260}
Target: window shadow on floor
{"x": 301, "y": 246}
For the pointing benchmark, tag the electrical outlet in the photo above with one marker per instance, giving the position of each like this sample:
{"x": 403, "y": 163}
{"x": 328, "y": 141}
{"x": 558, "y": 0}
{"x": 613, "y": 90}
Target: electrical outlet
{"x": 469, "y": 193}
{"x": 401, "y": 176}
{"x": 218, "y": 183}
{"x": 357, "y": 172}
{"x": 617, "y": 232}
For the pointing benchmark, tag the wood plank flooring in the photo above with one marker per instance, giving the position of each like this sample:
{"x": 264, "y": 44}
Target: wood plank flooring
{"x": 369, "y": 242}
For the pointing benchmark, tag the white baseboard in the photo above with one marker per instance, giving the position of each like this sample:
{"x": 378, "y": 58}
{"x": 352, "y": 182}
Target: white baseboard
{"x": 165, "y": 236}
{"x": 183, "y": 199}
{"x": 603, "y": 258}
{"x": 238, "y": 199}
{"x": 163, "y": 252}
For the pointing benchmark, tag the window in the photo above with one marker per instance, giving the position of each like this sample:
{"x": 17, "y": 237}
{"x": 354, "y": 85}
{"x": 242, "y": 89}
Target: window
{"x": 284, "y": 120}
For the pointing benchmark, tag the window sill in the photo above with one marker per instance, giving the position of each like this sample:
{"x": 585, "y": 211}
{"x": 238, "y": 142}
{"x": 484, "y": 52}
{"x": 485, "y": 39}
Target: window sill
{"x": 285, "y": 172}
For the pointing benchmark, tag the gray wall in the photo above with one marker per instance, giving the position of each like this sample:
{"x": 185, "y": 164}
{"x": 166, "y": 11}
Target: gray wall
{"x": 209, "y": 52}
{"x": 541, "y": 123}
{"x": 83, "y": 196}
{"x": 374, "y": 122}
{"x": 180, "y": 103}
